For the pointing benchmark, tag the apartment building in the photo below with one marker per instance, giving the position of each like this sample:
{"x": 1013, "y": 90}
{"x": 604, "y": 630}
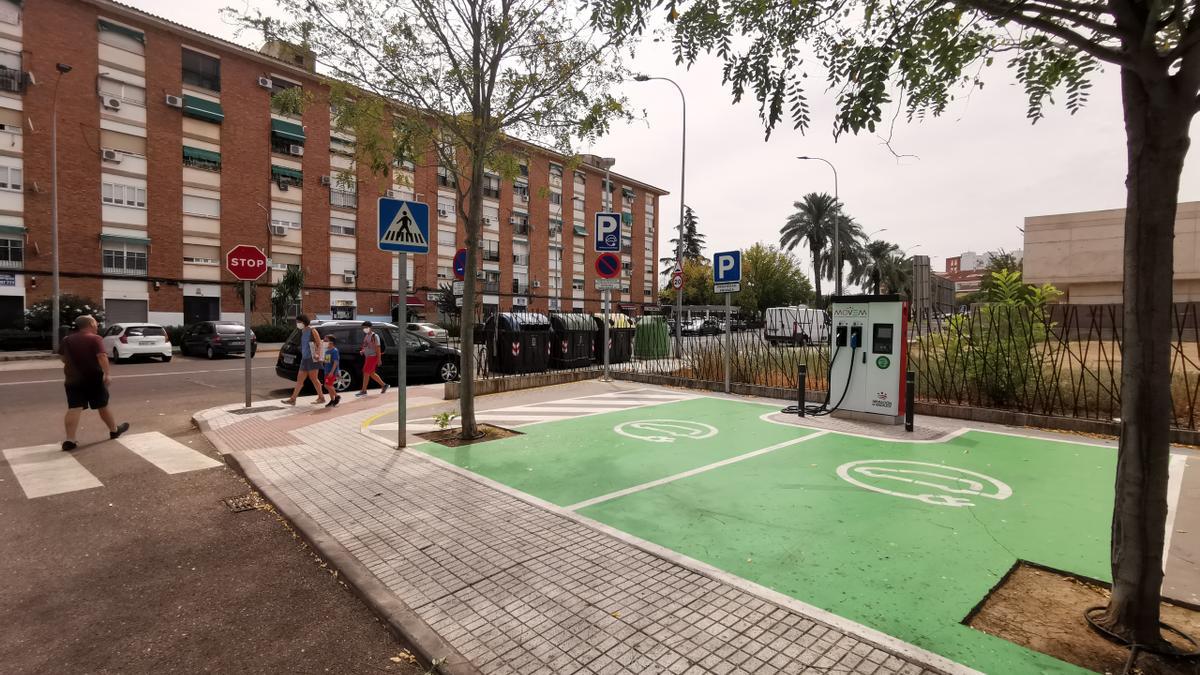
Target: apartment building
{"x": 172, "y": 149}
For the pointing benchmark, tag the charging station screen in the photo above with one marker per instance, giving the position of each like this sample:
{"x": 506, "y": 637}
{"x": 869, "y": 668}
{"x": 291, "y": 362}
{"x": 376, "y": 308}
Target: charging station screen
{"x": 881, "y": 338}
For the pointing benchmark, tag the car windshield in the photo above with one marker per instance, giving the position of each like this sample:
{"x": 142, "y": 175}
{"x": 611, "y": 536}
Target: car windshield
{"x": 145, "y": 331}
{"x": 230, "y": 328}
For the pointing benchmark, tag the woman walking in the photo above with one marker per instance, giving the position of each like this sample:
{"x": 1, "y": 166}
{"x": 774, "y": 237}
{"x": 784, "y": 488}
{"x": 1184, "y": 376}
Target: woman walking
{"x": 310, "y": 347}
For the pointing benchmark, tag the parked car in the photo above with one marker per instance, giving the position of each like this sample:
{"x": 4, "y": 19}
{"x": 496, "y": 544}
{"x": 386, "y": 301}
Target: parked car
{"x": 430, "y": 331}
{"x": 702, "y": 327}
{"x": 126, "y": 340}
{"x": 216, "y": 338}
{"x": 796, "y": 325}
{"x": 426, "y": 359}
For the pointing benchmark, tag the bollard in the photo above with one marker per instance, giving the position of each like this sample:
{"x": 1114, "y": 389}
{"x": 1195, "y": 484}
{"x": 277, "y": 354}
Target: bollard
{"x": 910, "y": 394}
{"x": 800, "y": 380}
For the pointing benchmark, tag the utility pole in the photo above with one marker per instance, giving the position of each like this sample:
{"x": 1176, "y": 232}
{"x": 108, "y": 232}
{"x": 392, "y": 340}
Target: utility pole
{"x": 55, "y": 304}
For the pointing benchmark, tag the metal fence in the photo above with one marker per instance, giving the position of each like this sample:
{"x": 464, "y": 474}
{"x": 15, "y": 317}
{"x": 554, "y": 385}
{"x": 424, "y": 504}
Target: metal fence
{"x": 1062, "y": 361}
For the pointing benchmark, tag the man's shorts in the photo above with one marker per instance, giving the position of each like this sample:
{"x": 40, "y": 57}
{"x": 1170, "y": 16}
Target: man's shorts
{"x": 87, "y": 394}
{"x": 370, "y": 363}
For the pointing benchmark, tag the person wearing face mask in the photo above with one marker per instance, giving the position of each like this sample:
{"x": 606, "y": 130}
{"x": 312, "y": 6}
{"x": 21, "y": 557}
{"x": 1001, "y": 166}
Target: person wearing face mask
{"x": 370, "y": 350}
{"x": 310, "y": 348}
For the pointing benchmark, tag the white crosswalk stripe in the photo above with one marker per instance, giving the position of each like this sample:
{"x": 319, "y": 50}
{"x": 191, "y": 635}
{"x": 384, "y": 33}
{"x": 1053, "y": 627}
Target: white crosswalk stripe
{"x": 166, "y": 453}
{"x": 44, "y": 470}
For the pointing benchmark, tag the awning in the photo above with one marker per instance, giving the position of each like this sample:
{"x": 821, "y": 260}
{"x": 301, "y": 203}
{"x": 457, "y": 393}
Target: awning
{"x": 581, "y": 230}
{"x": 414, "y": 301}
{"x": 627, "y": 192}
{"x": 12, "y": 229}
{"x": 125, "y": 239}
{"x": 287, "y": 130}
{"x": 202, "y": 109}
{"x": 627, "y": 218}
{"x": 278, "y": 172}
{"x": 122, "y": 30}
{"x": 201, "y": 155}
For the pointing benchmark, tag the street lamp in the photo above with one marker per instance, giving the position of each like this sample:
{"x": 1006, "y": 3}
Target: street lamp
{"x": 682, "y": 184}
{"x": 837, "y": 228}
{"x": 62, "y": 69}
{"x": 882, "y": 229}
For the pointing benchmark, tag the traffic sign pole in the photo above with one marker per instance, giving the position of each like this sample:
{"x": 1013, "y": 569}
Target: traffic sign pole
{"x": 402, "y": 353}
{"x": 249, "y": 353}
{"x": 607, "y": 318}
{"x": 247, "y": 263}
{"x": 727, "y": 279}
{"x": 728, "y": 340}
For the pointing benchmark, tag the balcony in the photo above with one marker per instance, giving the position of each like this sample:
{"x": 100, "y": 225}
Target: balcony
{"x": 10, "y": 264}
{"x": 12, "y": 80}
{"x": 522, "y": 260}
{"x": 520, "y": 229}
{"x": 520, "y": 289}
{"x": 491, "y": 287}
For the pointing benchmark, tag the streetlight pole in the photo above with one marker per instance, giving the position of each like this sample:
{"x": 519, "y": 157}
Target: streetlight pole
{"x": 682, "y": 185}
{"x": 55, "y": 307}
{"x": 837, "y": 228}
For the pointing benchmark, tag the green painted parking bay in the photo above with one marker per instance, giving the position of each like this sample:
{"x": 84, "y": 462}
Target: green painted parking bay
{"x": 903, "y": 537}
{"x": 571, "y": 461}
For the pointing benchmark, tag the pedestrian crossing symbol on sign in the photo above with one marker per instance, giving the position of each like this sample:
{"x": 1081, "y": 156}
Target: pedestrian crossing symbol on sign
{"x": 403, "y": 226}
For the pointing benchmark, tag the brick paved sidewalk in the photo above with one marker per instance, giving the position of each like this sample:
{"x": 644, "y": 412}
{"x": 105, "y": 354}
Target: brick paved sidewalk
{"x": 509, "y": 584}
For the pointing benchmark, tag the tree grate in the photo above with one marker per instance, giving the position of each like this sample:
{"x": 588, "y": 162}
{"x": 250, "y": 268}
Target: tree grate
{"x": 247, "y": 411}
{"x": 246, "y": 502}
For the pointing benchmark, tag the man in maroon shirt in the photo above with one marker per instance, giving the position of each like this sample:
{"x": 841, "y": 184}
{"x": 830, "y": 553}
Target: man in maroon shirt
{"x": 86, "y": 368}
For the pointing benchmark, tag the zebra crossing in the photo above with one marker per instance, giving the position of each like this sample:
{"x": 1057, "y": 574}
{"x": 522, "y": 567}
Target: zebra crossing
{"x": 44, "y": 470}
{"x": 548, "y": 411}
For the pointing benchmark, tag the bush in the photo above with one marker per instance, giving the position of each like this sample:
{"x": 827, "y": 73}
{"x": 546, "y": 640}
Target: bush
{"x": 175, "y": 334}
{"x": 17, "y": 340}
{"x": 38, "y": 316}
{"x": 269, "y": 332}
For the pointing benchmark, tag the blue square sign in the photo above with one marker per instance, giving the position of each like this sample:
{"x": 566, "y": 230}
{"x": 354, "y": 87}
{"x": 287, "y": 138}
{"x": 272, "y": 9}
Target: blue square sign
{"x": 608, "y": 232}
{"x": 727, "y": 267}
{"x": 403, "y": 226}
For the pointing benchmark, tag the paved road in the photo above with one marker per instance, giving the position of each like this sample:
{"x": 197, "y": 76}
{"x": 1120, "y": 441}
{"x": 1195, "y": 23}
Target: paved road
{"x": 144, "y": 569}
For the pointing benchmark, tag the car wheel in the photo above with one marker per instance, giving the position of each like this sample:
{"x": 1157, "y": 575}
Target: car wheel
{"x": 253, "y": 352}
{"x": 448, "y": 371}
{"x": 344, "y": 381}
{"x": 166, "y": 359}
{"x": 210, "y": 353}
{"x": 183, "y": 349}
{"x": 116, "y": 355}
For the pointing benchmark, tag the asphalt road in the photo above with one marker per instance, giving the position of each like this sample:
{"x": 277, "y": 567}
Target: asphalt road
{"x": 150, "y": 572}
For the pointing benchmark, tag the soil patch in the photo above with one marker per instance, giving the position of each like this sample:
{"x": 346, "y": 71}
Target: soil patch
{"x": 451, "y": 439}
{"x": 1042, "y": 609}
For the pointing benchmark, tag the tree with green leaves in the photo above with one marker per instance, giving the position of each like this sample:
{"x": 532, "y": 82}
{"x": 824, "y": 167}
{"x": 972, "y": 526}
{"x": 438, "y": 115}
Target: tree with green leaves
{"x": 771, "y": 278}
{"x": 851, "y": 240}
{"x": 878, "y": 257}
{"x": 812, "y": 223}
{"x": 458, "y": 79}
{"x": 998, "y": 261}
{"x": 912, "y": 58}
{"x": 285, "y": 295}
{"x": 697, "y": 284}
{"x": 693, "y": 242}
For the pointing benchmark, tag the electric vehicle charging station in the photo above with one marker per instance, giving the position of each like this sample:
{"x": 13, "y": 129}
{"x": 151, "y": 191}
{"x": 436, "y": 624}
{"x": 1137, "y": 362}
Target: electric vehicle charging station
{"x": 869, "y": 357}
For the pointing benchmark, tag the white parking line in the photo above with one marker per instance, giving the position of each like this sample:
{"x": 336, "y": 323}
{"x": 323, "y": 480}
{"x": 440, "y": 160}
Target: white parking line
{"x": 166, "y": 453}
{"x": 44, "y": 470}
{"x": 692, "y": 472}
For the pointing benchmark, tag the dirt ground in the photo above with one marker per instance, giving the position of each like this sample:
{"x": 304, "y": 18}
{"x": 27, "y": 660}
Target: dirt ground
{"x": 1043, "y": 610}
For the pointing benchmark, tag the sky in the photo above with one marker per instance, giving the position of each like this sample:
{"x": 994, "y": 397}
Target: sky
{"x": 979, "y": 169}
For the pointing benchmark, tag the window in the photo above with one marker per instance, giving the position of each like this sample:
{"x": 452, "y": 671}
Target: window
{"x": 123, "y": 195}
{"x": 286, "y": 218}
{"x": 443, "y": 272}
{"x": 205, "y": 160}
{"x": 10, "y": 178}
{"x": 446, "y": 177}
{"x": 192, "y": 260}
{"x": 491, "y": 216}
{"x": 523, "y": 168}
{"x": 404, "y": 164}
{"x": 491, "y": 250}
{"x": 580, "y": 179}
{"x": 123, "y": 258}
{"x": 201, "y": 70}
{"x": 577, "y": 284}
{"x": 556, "y": 226}
{"x": 341, "y": 146}
{"x": 10, "y": 13}
{"x": 521, "y": 191}
{"x": 446, "y": 207}
{"x": 556, "y": 198}
{"x": 126, "y": 92}
{"x": 285, "y": 177}
{"x": 577, "y": 204}
{"x": 491, "y": 282}
{"x": 521, "y": 259}
{"x": 12, "y": 252}
{"x": 520, "y": 223}
{"x": 556, "y": 170}
{"x": 343, "y": 226}
{"x": 491, "y": 186}
{"x": 205, "y": 207}
{"x": 121, "y": 37}
{"x": 342, "y": 198}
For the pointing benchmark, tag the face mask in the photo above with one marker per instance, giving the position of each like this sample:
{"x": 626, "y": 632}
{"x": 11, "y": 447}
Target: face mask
{"x": 367, "y": 331}
{"x": 299, "y": 326}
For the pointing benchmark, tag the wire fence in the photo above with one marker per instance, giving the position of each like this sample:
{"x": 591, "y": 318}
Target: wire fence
{"x": 1064, "y": 360}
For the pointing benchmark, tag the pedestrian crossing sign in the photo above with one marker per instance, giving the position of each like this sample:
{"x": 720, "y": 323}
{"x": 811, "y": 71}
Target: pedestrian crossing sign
{"x": 403, "y": 226}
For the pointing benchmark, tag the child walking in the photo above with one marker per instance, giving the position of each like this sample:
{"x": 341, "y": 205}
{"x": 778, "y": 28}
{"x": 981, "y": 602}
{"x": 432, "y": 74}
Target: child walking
{"x": 332, "y": 361}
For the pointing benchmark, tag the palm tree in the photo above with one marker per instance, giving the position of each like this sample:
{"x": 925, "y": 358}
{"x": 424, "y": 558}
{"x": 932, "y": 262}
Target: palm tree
{"x": 878, "y": 258}
{"x": 850, "y": 240}
{"x": 813, "y": 223}
{"x": 896, "y": 274}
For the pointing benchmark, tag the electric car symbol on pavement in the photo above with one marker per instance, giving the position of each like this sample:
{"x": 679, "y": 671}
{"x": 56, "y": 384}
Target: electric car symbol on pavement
{"x": 665, "y": 431}
{"x": 935, "y": 484}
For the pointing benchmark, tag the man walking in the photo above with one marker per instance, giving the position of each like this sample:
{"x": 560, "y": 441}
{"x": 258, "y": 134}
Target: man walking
{"x": 85, "y": 365}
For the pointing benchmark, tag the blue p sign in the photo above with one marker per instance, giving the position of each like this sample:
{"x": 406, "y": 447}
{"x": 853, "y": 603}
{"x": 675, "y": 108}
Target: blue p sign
{"x": 608, "y": 232}
{"x": 727, "y": 267}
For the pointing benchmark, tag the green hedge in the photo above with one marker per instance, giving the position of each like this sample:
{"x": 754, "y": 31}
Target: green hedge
{"x": 269, "y": 332}
{"x": 15, "y": 339}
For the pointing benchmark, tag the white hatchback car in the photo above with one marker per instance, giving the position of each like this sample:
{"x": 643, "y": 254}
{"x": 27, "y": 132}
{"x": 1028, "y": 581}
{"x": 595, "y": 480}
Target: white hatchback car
{"x": 125, "y": 340}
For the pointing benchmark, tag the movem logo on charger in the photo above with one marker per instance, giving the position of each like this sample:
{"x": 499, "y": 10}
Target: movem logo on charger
{"x": 881, "y": 400}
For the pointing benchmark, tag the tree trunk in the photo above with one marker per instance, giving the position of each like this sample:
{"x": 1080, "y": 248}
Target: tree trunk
{"x": 466, "y": 389}
{"x": 1156, "y": 125}
{"x": 816, "y": 258}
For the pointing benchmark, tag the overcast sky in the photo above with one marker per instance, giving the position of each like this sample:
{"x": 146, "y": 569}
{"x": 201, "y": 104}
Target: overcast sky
{"x": 982, "y": 166}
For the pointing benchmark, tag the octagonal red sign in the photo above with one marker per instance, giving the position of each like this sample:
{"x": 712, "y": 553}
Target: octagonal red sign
{"x": 246, "y": 262}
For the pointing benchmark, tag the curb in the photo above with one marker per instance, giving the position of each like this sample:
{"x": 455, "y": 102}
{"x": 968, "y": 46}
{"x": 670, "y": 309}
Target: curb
{"x": 400, "y": 618}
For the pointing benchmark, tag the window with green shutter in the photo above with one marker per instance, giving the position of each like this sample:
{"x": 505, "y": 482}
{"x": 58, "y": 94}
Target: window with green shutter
{"x": 202, "y": 109}
{"x": 198, "y": 158}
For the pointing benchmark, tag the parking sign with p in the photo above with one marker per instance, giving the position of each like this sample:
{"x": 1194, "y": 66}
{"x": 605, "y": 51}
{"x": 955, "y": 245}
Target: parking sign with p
{"x": 608, "y": 232}
{"x": 727, "y": 271}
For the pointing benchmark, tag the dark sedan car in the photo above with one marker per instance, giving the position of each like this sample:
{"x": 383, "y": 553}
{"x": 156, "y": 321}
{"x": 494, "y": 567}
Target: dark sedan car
{"x": 426, "y": 360}
{"x": 216, "y": 338}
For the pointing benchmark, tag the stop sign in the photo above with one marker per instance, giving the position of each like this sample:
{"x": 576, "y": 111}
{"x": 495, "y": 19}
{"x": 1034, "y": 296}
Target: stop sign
{"x": 246, "y": 262}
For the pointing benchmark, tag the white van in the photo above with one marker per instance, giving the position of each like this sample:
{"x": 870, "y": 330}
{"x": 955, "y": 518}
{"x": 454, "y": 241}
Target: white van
{"x": 798, "y": 325}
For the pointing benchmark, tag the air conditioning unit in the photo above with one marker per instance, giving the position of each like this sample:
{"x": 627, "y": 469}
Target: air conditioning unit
{"x": 512, "y": 220}
{"x": 174, "y": 101}
{"x": 282, "y": 185}
{"x": 537, "y": 284}
{"x": 110, "y": 156}
{"x": 326, "y": 181}
{"x": 523, "y": 198}
{"x": 279, "y": 230}
{"x": 266, "y": 83}
{"x": 297, "y": 150}
{"x": 487, "y": 220}
{"x": 349, "y": 277}
{"x": 111, "y": 102}
{"x": 442, "y": 213}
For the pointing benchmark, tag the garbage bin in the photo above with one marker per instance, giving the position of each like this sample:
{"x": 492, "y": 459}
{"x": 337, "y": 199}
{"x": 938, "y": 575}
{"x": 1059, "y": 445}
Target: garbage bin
{"x": 652, "y": 339}
{"x": 571, "y": 346}
{"x": 620, "y": 338}
{"x": 516, "y": 342}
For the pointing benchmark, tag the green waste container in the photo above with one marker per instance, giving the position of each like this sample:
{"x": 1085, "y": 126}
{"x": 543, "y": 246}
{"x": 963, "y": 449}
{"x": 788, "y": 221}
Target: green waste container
{"x": 571, "y": 344}
{"x": 652, "y": 339}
